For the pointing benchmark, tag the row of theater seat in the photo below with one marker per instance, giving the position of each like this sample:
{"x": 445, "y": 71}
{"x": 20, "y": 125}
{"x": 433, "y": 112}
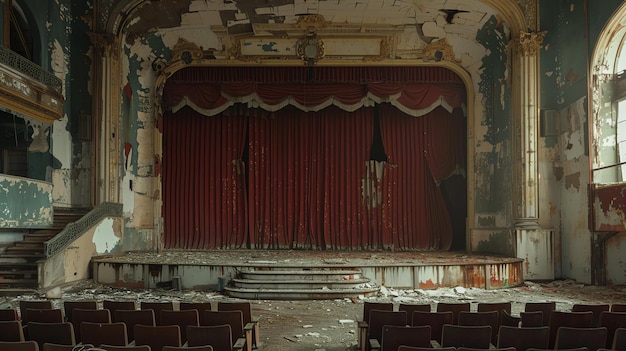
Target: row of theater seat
{"x": 599, "y": 321}
{"x": 159, "y": 324}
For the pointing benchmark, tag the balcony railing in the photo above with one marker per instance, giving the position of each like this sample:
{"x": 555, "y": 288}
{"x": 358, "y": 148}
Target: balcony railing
{"x": 22, "y": 65}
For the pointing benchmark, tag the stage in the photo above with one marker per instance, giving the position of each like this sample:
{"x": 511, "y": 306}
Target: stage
{"x": 363, "y": 271}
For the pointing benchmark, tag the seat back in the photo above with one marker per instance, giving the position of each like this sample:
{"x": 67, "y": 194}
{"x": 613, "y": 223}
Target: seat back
{"x": 489, "y": 318}
{"x": 244, "y": 307}
{"x": 393, "y": 336}
{"x": 33, "y": 304}
{"x": 410, "y": 307}
{"x": 531, "y": 319}
{"x": 157, "y": 336}
{"x": 19, "y": 346}
{"x": 509, "y": 320}
{"x": 618, "y": 307}
{"x": 523, "y": 338}
{"x": 157, "y": 307}
{"x": 54, "y": 333}
{"x": 232, "y": 318}
{"x": 472, "y": 336}
{"x": 69, "y": 306}
{"x": 44, "y": 315}
{"x": 455, "y": 308}
{"x": 11, "y": 331}
{"x": 545, "y": 307}
{"x": 125, "y": 348}
{"x": 104, "y": 333}
{"x": 568, "y": 319}
{"x": 9, "y": 314}
{"x": 379, "y": 319}
{"x": 113, "y": 306}
{"x": 198, "y": 306}
{"x": 571, "y": 338}
{"x": 188, "y": 348}
{"x": 369, "y": 305}
{"x": 93, "y": 316}
{"x": 491, "y": 349}
{"x": 414, "y": 348}
{"x": 619, "y": 339}
{"x": 494, "y": 306}
{"x": 436, "y": 321}
{"x": 56, "y": 347}
{"x": 596, "y": 309}
{"x": 134, "y": 317}
{"x": 612, "y": 321}
{"x": 218, "y": 336}
{"x": 182, "y": 319}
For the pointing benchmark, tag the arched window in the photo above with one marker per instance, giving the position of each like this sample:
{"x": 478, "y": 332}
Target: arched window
{"x": 609, "y": 112}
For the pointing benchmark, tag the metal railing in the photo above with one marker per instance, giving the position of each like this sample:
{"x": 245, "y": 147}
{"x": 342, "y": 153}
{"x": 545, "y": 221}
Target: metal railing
{"x": 75, "y": 229}
{"x": 29, "y": 68}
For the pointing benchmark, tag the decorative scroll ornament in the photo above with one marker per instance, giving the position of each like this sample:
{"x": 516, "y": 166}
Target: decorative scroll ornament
{"x": 310, "y": 49}
{"x": 438, "y": 51}
{"x": 312, "y": 23}
{"x": 186, "y": 51}
{"x": 529, "y": 42}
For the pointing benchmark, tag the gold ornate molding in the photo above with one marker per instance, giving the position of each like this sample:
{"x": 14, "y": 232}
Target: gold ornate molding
{"x": 528, "y": 43}
{"x": 106, "y": 44}
{"x": 438, "y": 51}
{"x": 186, "y": 51}
{"x": 312, "y": 22}
{"x": 310, "y": 49}
{"x": 530, "y": 10}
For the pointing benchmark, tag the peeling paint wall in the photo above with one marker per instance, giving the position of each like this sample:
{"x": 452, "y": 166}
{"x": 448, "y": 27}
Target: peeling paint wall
{"x": 25, "y": 203}
{"x": 62, "y": 27}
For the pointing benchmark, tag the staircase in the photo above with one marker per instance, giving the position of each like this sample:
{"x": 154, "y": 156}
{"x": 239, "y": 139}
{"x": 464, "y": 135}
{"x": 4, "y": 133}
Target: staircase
{"x": 18, "y": 261}
{"x": 299, "y": 283}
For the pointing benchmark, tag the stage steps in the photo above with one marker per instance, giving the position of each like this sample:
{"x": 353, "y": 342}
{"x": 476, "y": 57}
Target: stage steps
{"x": 299, "y": 283}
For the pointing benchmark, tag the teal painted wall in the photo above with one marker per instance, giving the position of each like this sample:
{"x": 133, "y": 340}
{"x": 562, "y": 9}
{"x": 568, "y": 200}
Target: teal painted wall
{"x": 494, "y": 168}
{"x": 25, "y": 203}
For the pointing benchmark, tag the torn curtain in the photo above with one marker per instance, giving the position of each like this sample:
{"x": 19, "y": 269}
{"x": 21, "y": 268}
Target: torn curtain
{"x": 279, "y": 167}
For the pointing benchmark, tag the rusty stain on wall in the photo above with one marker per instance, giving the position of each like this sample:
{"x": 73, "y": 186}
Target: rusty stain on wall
{"x": 572, "y": 181}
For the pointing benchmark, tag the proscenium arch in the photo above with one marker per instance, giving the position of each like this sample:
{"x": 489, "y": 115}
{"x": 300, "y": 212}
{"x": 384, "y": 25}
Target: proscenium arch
{"x": 508, "y": 11}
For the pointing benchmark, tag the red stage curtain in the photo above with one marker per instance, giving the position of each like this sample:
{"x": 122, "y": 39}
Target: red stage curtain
{"x": 305, "y": 178}
{"x": 414, "y": 211}
{"x": 203, "y": 181}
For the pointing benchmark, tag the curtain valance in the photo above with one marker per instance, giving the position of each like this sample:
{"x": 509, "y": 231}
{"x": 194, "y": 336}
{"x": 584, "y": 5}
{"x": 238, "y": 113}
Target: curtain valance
{"x": 415, "y": 99}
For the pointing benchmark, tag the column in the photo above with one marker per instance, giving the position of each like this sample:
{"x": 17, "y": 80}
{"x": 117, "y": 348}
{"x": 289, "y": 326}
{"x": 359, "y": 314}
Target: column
{"x": 533, "y": 244}
{"x": 526, "y": 115}
{"x": 106, "y": 107}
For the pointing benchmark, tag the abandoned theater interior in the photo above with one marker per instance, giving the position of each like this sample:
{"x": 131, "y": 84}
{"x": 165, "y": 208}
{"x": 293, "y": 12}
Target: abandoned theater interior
{"x": 220, "y": 144}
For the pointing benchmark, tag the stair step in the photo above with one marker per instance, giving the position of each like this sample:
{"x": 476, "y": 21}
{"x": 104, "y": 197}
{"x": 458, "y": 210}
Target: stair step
{"x": 28, "y": 257}
{"x": 298, "y": 284}
{"x": 297, "y": 294}
{"x": 289, "y": 275}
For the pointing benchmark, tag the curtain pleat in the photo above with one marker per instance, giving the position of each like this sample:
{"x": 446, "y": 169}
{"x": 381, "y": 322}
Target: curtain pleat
{"x": 203, "y": 181}
{"x": 414, "y": 212}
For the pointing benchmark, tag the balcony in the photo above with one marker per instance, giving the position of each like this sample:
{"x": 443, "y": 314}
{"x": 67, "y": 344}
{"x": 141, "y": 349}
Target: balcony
{"x": 28, "y": 89}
